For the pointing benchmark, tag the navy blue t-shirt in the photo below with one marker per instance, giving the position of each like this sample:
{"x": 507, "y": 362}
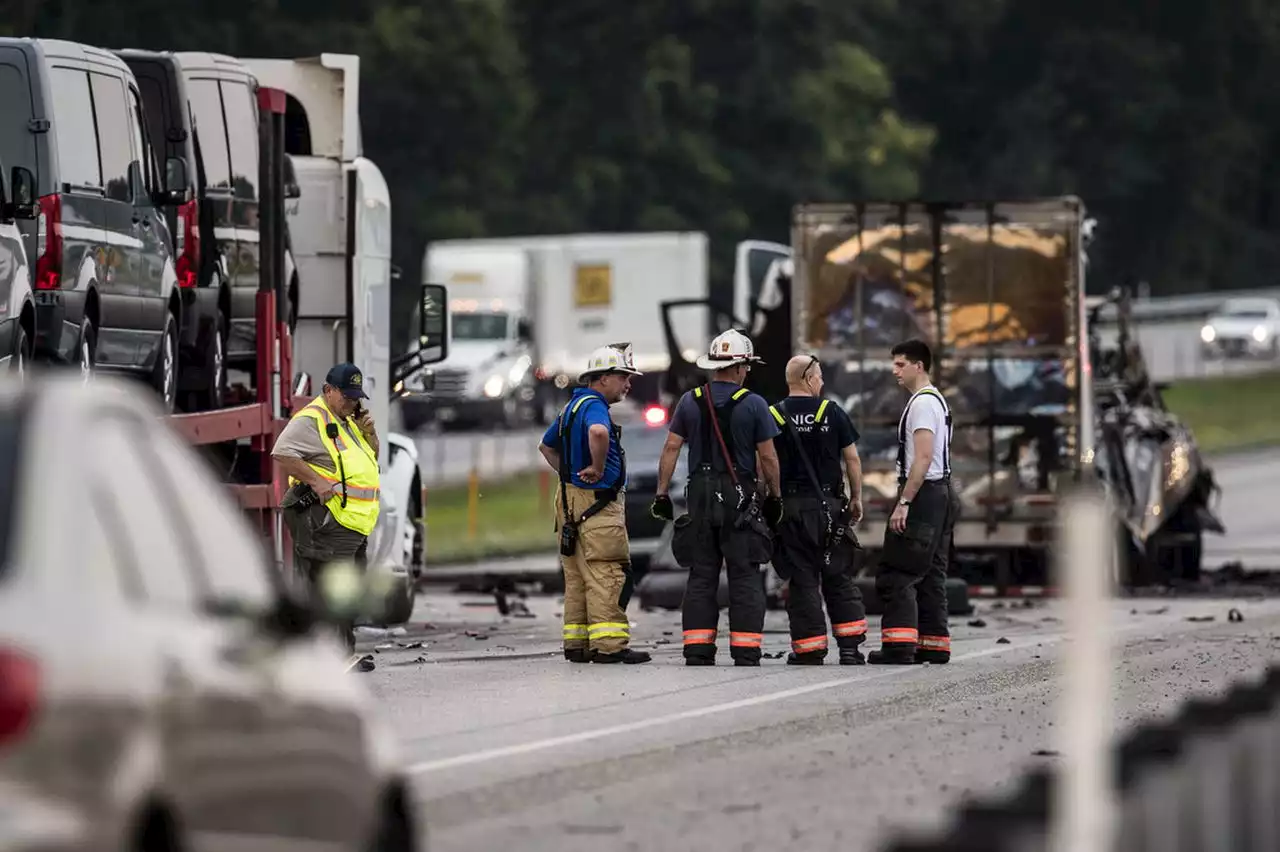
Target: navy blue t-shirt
{"x": 824, "y": 441}
{"x": 595, "y": 410}
{"x": 751, "y": 424}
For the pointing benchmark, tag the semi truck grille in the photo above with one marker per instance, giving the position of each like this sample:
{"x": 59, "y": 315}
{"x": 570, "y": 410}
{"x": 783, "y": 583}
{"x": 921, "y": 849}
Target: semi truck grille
{"x": 449, "y": 384}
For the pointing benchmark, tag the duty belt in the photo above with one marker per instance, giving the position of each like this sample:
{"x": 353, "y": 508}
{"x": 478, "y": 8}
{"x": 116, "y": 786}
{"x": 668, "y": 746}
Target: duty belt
{"x": 946, "y": 477}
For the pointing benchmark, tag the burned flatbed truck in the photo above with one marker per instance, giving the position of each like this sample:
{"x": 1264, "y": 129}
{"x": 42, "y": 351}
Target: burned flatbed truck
{"x": 996, "y": 290}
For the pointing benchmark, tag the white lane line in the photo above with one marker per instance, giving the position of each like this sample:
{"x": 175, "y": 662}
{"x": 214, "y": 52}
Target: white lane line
{"x": 655, "y": 721}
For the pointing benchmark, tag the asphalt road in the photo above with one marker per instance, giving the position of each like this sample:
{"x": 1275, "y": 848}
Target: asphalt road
{"x": 1250, "y": 483}
{"x": 511, "y": 747}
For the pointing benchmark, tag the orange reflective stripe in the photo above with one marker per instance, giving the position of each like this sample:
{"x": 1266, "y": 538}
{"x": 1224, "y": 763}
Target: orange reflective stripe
{"x": 850, "y": 628}
{"x": 813, "y": 643}
{"x": 941, "y": 643}
{"x": 746, "y": 640}
{"x": 899, "y": 634}
{"x": 700, "y": 637}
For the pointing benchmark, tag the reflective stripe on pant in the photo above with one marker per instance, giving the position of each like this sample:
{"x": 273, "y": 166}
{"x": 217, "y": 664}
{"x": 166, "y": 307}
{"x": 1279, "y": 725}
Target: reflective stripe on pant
{"x": 701, "y": 610}
{"x": 813, "y": 582}
{"x": 912, "y": 582}
{"x": 595, "y": 577}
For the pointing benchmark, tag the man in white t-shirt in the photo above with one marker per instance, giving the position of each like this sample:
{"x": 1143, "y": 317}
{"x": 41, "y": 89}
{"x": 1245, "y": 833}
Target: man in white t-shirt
{"x": 912, "y": 582}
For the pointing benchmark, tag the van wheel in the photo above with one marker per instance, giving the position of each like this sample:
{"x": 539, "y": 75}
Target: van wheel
{"x": 164, "y": 376}
{"x": 21, "y": 360}
{"x": 88, "y": 358}
{"x": 395, "y": 833}
{"x": 215, "y": 365}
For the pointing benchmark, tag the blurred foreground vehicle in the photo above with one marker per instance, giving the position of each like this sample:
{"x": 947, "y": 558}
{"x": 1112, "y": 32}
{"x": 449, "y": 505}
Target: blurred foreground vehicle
{"x": 160, "y": 686}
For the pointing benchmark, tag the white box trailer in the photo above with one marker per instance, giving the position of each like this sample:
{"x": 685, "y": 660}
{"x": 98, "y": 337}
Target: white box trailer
{"x": 526, "y": 313}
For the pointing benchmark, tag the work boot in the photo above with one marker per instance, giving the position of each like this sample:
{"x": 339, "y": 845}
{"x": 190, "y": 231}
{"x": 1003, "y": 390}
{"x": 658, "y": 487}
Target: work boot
{"x": 933, "y": 656}
{"x": 699, "y": 661}
{"x": 741, "y": 661}
{"x": 809, "y": 658}
{"x": 578, "y": 655}
{"x": 888, "y": 656}
{"x": 626, "y": 655}
{"x": 852, "y": 657}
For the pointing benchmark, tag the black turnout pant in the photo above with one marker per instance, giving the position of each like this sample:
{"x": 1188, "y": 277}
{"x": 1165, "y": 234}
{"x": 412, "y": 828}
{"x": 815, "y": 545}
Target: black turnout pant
{"x": 912, "y": 582}
{"x": 816, "y": 576}
{"x": 738, "y": 550}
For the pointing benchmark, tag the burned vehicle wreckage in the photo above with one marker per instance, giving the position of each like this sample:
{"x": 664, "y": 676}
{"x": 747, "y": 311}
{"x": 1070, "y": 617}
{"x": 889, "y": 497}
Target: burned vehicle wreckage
{"x": 1039, "y": 401}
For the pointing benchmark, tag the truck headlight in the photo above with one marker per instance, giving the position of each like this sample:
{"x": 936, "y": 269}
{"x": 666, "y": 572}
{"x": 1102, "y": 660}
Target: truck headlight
{"x": 518, "y": 370}
{"x": 1260, "y": 333}
{"x": 1207, "y": 334}
{"x": 494, "y": 386}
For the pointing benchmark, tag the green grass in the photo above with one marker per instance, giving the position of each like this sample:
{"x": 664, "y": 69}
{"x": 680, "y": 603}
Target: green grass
{"x": 513, "y": 517}
{"x": 1229, "y": 412}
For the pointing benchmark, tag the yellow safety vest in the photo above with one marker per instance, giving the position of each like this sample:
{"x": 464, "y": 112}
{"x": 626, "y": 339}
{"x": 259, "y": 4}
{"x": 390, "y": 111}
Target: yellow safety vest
{"x": 359, "y": 463}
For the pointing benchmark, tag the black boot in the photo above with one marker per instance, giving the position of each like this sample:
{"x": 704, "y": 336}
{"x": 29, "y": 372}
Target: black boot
{"x": 699, "y": 661}
{"x": 933, "y": 656}
{"x": 809, "y": 658}
{"x": 852, "y": 657}
{"x": 578, "y": 655}
{"x": 744, "y": 661}
{"x": 626, "y": 655}
{"x": 890, "y": 656}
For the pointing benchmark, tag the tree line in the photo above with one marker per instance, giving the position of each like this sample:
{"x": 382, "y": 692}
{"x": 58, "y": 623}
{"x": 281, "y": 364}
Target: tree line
{"x": 499, "y": 117}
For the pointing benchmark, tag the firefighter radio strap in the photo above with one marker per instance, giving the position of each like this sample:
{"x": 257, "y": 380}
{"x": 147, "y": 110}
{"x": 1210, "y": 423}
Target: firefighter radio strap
{"x": 830, "y": 534}
{"x": 569, "y": 526}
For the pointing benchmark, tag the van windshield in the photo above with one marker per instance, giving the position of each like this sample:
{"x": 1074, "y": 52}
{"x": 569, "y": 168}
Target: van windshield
{"x": 479, "y": 326}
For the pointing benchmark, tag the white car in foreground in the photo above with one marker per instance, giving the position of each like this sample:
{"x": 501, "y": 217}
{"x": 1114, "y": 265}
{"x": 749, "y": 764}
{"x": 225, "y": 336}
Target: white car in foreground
{"x": 1245, "y": 327}
{"x": 160, "y": 687}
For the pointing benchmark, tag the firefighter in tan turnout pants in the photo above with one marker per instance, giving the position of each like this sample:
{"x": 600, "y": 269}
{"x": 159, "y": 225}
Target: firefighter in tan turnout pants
{"x": 583, "y": 446}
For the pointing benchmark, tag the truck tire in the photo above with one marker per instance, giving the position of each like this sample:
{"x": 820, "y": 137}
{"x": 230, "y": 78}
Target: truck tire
{"x": 665, "y": 590}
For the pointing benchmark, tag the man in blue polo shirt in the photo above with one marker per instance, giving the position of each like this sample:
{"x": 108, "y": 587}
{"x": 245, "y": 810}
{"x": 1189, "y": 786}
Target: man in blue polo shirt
{"x": 583, "y": 446}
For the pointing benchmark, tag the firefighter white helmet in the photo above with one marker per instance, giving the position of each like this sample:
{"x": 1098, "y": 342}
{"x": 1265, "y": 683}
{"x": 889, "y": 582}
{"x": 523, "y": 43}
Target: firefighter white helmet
{"x": 615, "y": 358}
{"x": 729, "y": 349}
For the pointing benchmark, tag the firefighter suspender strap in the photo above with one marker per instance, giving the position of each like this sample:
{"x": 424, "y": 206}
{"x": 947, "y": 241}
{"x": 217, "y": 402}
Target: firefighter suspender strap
{"x": 714, "y": 426}
{"x": 569, "y": 527}
{"x": 809, "y": 472}
{"x": 902, "y": 434}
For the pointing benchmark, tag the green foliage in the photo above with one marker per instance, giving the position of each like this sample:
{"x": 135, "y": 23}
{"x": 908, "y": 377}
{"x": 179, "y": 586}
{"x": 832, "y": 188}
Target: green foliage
{"x": 494, "y": 117}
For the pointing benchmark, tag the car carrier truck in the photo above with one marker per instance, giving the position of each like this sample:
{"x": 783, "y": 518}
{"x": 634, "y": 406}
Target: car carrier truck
{"x": 340, "y": 230}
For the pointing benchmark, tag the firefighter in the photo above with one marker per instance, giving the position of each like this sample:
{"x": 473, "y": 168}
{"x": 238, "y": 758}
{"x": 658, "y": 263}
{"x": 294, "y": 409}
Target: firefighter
{"x": 815, "y": 550}
{"x": 584, "y": 447}
{"x": 912, "y": 582}
{"x": 727, "y": 524}
{"x": 329, "y": 450}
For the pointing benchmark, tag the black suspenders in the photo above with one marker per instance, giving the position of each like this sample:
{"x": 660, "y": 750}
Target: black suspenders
{"x": 902, "y": 434}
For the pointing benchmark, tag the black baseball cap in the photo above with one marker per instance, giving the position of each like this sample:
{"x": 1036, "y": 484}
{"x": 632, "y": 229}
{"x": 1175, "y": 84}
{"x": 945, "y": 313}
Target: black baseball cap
{"x": 348, "y": 379}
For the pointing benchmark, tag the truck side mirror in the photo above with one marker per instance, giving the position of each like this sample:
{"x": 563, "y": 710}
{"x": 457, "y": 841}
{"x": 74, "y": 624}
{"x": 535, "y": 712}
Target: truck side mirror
{"x": 291, "y": 187}
{"x": 177, "y": 182}
{"x": 433, "y": 324}
{"x": 20, "y": 202}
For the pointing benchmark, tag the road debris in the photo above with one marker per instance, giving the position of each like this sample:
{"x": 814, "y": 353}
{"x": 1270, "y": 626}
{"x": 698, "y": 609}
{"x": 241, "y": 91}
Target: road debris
{"x": 977, "y": 622}
{"x": 1234, "y": 615}
{"x": 1002, "y": 641}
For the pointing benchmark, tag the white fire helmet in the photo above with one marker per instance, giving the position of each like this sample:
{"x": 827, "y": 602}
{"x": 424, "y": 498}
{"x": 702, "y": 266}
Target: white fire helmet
{"x": 614, "y": 358}
{"x": 728, "y": 350}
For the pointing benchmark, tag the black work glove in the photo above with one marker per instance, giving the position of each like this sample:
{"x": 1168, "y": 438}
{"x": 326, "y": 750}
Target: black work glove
{"x": 773, "y": 510}
{"x": 662, "y": 509}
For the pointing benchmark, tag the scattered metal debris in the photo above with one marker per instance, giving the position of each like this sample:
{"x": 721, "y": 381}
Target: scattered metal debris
{"x": 1002, "y": 641}
{"x": 977, "y": 622}
{"x": 1234, "y": 615}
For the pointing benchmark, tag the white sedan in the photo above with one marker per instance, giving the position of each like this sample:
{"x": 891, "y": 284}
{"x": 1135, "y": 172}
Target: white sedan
{"x": 1243, "y": 327}
{"x": 160, "y": 688}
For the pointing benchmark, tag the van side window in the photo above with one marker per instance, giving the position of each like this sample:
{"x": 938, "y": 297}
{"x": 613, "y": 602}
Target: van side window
{"x": 114, "y": 137}
{"x": 206, "y": 108}
{"x": 143, "y": 150}
{"x": 74, "y": 128}
{"x": 242, "y": 130}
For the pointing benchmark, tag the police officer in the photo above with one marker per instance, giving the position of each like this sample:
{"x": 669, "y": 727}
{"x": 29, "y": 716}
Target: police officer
{"x": 917, "y": 542}
{"x": 583, "y": 447}
{"x": 329, "y": 450}
{"x": 814, "y": 550}
{"x": 723, "y": 421}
